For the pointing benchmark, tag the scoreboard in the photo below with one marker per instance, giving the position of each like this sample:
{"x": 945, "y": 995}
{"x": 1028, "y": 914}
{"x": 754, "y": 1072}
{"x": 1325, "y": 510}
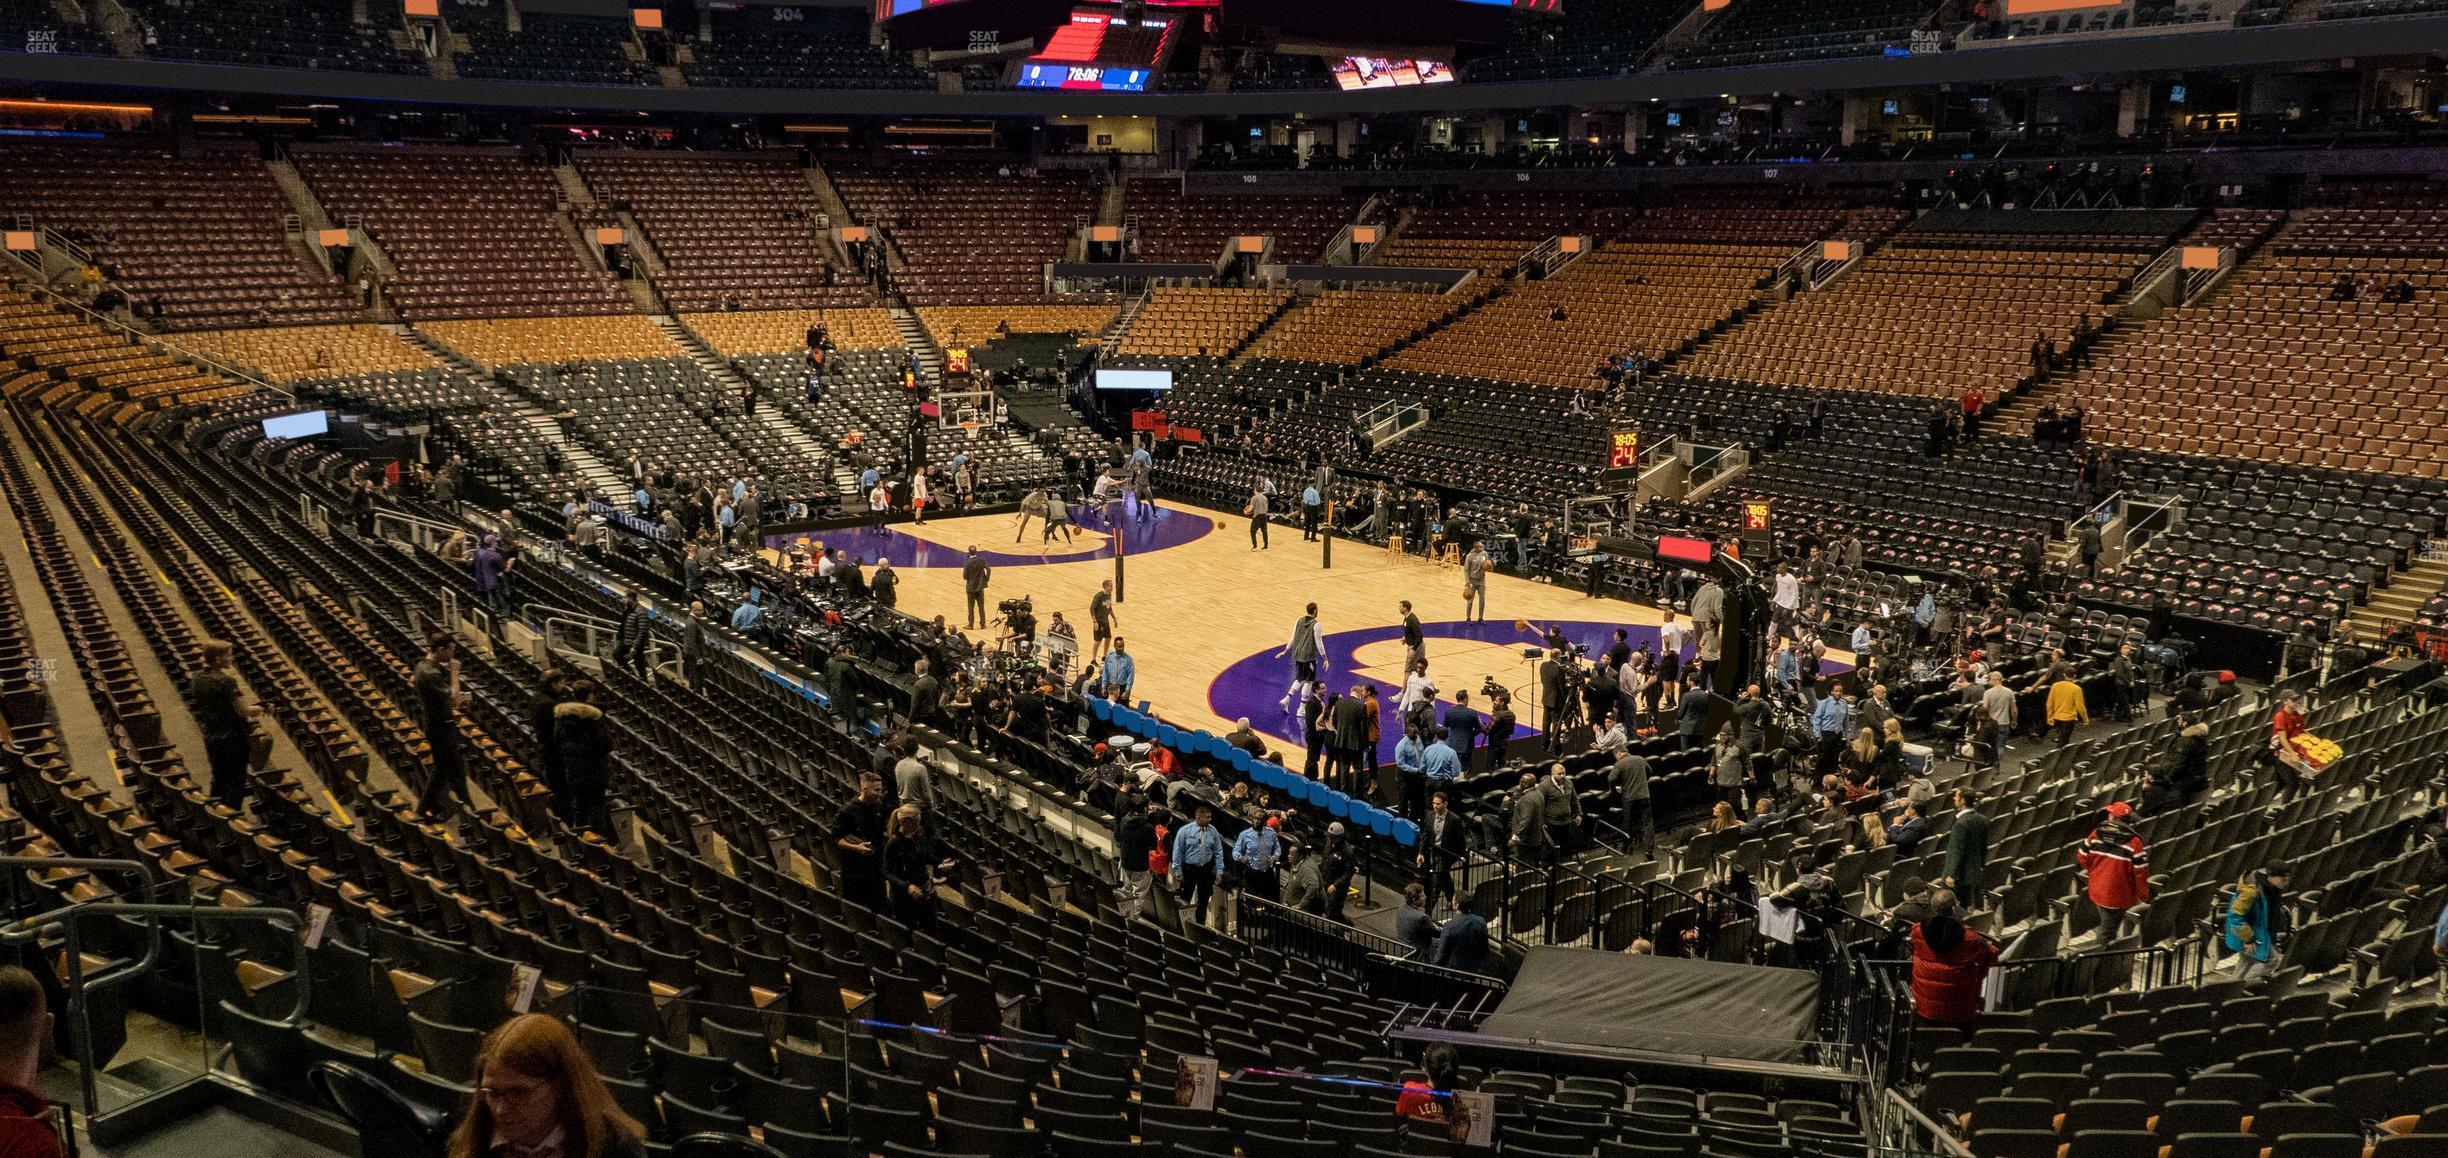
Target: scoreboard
{"x": 1624, "y": 451}
{"x": 1758, "y": 537}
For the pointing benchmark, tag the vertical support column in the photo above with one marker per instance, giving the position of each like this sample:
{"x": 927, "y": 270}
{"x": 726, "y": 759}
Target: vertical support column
{"x": 1856, "y": 115}
{"x": 2133, "y": 108}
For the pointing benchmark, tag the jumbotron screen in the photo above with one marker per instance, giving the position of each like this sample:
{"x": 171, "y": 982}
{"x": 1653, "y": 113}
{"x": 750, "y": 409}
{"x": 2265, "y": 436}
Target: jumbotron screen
{"x": 1356, "y": 72}
{"x": 1097, "y": 49}
{"x": 887, "y": 9}
{"x": 951, "y": 23}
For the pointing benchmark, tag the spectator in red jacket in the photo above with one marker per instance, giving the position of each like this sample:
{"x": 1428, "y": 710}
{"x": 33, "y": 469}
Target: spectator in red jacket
{"x": 1950, "y": 960}
{"x": 26, "y": 1126}
{"x": 2287, "y": 722}
{"x": 2116, "y": 870}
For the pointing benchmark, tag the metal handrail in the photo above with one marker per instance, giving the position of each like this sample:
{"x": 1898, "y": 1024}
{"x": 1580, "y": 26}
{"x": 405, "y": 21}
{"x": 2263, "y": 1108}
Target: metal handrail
{"x": 66, "y": 922}
{"x": 422, "y": 533}
{"x": 661, "y": 655}
{"x": 1360, "y": 941}
{"x": 2070, "y": 526}
{"x": 538, "y": 612}
{"x": 419, "y": 521}
{"x": 1917, "y": 1127}
{"x": 28, "y": 928}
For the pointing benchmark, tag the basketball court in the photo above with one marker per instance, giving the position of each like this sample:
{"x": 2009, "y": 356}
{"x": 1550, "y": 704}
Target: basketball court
{"x": 1205, "y": 615}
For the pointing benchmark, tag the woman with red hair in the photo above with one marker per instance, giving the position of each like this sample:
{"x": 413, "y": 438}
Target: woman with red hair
{"x": 538, "y": 1096}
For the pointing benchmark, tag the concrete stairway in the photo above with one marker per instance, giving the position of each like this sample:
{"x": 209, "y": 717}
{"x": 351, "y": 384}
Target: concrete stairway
{"x": 313, "y": 218}
{"x": 300, "y": 195}
{"x": 733, "y": 385}
{"x": 573, "y": 187}
{"x": 605, "y": 481}
{"x": 836, "y": 211}
{"x": 921, "y": 344}
{"x": 1111, "y": 335}
{"x": 112, "y": 21}
{"x": 2395, "y": 605}
{"x": 642, "y": 245}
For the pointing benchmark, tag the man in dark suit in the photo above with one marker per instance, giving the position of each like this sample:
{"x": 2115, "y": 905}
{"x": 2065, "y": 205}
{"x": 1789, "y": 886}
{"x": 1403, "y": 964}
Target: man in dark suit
{"x": 926, "y": 694}
{"x": 1412, "y": 924}
{"x": 1462, "y": 730}
{"x": 1909, "y": 829}
{"x": 1632, "y": 784}
{"x": 1351, "y": 721}
{"x": 1528, "y": 825}
{"x": 1551, "y": 694}
{"x": 1444, "y": 842}
{"x": 1873, "y": 711}
{"x": 1967, "y": 850}
{"x": 975, "y": 574}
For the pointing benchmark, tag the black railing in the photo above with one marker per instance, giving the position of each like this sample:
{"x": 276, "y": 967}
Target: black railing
{"x": 1308, "y": 936}
{"x": 2026, "y": 983}
{"x": 1387, "y": 966}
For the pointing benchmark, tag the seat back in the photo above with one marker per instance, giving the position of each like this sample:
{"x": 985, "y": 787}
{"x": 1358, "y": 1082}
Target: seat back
{"x": 387, "y": 1125}
{"x": 722, "y": 1146}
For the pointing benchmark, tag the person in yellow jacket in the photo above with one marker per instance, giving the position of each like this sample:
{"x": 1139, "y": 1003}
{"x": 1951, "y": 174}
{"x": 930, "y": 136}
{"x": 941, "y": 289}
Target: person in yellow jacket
{"x": 2065, "y": 703}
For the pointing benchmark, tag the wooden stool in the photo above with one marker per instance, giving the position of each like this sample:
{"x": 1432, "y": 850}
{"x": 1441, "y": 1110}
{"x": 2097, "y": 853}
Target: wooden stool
{"x": 1394, "y": 548}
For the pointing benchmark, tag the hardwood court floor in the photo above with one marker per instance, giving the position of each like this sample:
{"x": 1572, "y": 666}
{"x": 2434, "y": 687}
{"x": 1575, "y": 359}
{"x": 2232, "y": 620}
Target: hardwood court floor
{"x": 1203, "y": 619}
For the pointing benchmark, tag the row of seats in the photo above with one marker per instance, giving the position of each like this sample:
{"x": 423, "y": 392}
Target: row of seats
{"x": 472, "y": 231}
{"x": 300, "y": 353}
{"x": 1642, "y": 298}
{"x": 781, "y": 331}
{"x": 1925, "y": 321}
{"x": 555, "y": 48}
{"x": 79, "y": 363}
{"x": 271, "y": 34}
{"x": 504, "y": 342}
{"x": 1187, "y": 321}
{"x": 794, "y": 47}
{"x": 26, "y": 22}
{"x": 2271, "y": 546}
{"x": 1347, "y": 326}
{"x": 971, "y": 231}
{"x": 1174, "y": 227}
{"x": 735, "y": 231}
{"x": 1594, "y": 39}
{"x": 193, "y": 238}
{"x": 2352, "y": 376}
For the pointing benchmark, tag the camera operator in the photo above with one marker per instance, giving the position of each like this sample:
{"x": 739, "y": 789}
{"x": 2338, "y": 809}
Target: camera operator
{"x": 1500, "y": 721}
{"x": 1019, "y": 620}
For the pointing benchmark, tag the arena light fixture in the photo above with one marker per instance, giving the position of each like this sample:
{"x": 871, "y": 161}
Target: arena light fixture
{"x": 74, "y": 107}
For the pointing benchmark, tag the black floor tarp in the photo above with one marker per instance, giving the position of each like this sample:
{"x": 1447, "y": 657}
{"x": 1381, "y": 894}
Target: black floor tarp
{"x": 1662, "y": 1004}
